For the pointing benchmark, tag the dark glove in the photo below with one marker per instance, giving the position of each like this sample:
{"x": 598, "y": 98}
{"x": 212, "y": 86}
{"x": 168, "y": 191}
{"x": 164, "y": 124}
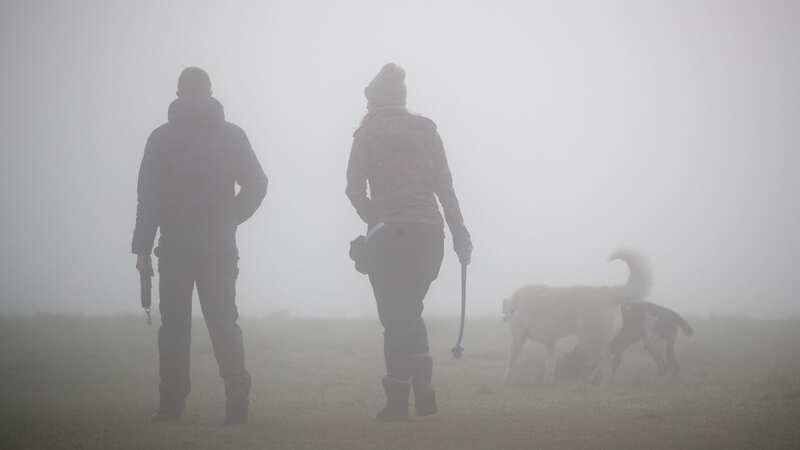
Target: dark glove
{"x": 144, "y": 265}
{"x": 462, "y": 244}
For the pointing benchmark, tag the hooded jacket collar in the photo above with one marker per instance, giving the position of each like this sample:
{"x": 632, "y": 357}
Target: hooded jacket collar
{"x": 204, "y": 110}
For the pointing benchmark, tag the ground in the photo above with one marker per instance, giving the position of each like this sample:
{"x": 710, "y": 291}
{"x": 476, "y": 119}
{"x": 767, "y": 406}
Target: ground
{"x": 90, "y": 383}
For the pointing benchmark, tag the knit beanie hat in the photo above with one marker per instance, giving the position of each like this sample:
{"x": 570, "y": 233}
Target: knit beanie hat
{"x": 388, "y": 88}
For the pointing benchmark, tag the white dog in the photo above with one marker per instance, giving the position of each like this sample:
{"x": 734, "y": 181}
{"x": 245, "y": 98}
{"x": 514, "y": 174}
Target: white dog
{"x": 546, "y": 314}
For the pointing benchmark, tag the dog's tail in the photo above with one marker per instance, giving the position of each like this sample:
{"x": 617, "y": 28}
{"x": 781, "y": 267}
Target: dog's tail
{"x": 640, "y": 279}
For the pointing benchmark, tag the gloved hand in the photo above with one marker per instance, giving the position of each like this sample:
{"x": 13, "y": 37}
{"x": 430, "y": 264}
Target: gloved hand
{"x": 464, "y": 251}
{"x": 462, "y": 244}
{"x": 144, "y": 265}
{"x": 464, "y": 255}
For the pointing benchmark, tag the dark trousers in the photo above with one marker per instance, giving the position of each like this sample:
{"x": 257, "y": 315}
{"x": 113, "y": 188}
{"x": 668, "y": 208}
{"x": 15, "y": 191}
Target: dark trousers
{"x": 215, "y": 278}
{"x": 405, "y": 259}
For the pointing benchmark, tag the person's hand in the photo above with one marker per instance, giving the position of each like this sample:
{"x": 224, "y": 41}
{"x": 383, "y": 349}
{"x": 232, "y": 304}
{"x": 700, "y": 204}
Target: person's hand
{"x": 144, "y": 265}
{"x": 464, "y": 254}
{"x": 462, "y": 244}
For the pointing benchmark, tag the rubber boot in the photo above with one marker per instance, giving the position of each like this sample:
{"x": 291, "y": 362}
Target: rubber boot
{"x": 424, "y": 395}
{"x": 397, "y": 392}
{"x": 168, "y": 412}
{"x": 237, "y": 404}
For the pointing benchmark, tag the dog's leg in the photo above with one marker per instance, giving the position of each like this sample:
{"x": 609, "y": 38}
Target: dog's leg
{"x": 517, "y": 339}
{"x": 550, "y": 364}
{"x": 672, "y": 361}
{"x": 598, "y": 374}
{"x": 606, "y": 368}
{"x": 652, "y": 348}
{"x": 612, "y": 358}
{"x": 615, "y": 364}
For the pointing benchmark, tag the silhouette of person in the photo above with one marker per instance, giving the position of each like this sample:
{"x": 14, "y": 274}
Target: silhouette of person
{"x": 401, "y": 158}
{"x": 186, "y": 189}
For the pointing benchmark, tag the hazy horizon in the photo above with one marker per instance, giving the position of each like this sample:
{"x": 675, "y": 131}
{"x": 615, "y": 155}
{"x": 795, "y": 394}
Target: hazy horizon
{"x": 571, "y": 130}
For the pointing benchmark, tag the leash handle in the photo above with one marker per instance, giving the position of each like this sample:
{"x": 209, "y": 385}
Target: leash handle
{"x": 146, "y": 285}
{"x": 458, "y": 350}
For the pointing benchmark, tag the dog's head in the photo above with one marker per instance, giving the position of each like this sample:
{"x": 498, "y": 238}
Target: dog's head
{"x": 508, "y": 309}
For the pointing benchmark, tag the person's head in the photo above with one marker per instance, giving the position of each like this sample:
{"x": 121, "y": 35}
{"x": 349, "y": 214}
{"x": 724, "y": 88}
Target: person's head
{"x": 194, "y": 82}
{"x": 388, "y": 88}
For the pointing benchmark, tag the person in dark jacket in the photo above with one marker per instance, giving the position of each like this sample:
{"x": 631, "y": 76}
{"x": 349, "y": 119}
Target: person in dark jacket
{"x": 400, "y": 157}
{"x": 186, "y": 189}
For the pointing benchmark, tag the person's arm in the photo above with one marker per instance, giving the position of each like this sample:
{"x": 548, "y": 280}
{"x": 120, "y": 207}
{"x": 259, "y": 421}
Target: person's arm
{"x": 251, "y": 179}
{"x": 443, "y": 187}
{"x": 356, "y": 189}
{"x": 147, "y": 208}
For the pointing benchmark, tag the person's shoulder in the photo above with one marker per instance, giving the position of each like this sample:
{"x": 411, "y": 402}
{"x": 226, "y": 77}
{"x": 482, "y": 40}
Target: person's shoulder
{"x": 231, "y": 127}
{"x": 393, "y": 122}
{"x": 359, "y": 132}
{"x": 158, "y": 134}
{"x": 160, "y": 130}
{"x": 233, "y": 131}
{"x": 420, "y": 121}
{"x": 410, "y": 123}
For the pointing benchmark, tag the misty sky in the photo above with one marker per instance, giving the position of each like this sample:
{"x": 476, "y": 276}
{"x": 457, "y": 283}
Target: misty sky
{"x": 571, "y": 128}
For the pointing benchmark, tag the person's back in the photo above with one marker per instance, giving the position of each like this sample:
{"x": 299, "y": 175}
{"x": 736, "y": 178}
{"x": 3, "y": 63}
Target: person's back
{"x": 403, "y": 163}
{"x": 402, "y": 157}
{"x": 187, "y": 188}
{"x": 188, "y": 177}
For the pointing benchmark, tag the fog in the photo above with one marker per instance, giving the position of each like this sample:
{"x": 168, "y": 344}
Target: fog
{"x": 572, "y": 128}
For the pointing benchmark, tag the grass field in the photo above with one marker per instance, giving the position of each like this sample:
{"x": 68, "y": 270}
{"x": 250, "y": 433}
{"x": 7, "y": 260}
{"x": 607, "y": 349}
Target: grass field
{"x": 90, "y": 383}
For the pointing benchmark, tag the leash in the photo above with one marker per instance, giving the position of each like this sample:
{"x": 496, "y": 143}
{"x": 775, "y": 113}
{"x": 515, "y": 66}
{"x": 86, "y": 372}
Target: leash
{"x": 458, "y": 350}
{"x": 371, "y": 231}
{"x": 146, "y": 284}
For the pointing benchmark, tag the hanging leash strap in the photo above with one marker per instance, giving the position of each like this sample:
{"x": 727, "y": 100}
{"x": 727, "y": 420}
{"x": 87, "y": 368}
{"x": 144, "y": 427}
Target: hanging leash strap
{"x": 146, "y": 284}
{"x": 371, "y": 231}
{"x": 458, "y": 350}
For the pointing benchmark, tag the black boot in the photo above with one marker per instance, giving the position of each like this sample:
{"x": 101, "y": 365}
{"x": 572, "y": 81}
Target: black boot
{"x": 165, "y": 417}
{"x": 424, "y": 395}
{"x": 237, "y": 404}
{"x": 397, "y": 392}
{"x": 168, "y": 412}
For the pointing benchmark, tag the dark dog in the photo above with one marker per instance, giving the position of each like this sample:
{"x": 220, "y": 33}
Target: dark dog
{"x": 652, "y": 324}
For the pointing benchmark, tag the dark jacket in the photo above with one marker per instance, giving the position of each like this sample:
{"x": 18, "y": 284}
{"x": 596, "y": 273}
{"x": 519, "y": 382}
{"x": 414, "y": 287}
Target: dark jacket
{"x": 187, "y": 182}
{"x": 402, "y": 158}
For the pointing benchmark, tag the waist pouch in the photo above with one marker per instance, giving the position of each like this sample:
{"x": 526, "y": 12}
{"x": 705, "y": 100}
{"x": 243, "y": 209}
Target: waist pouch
{"x": 360, "y": 249}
